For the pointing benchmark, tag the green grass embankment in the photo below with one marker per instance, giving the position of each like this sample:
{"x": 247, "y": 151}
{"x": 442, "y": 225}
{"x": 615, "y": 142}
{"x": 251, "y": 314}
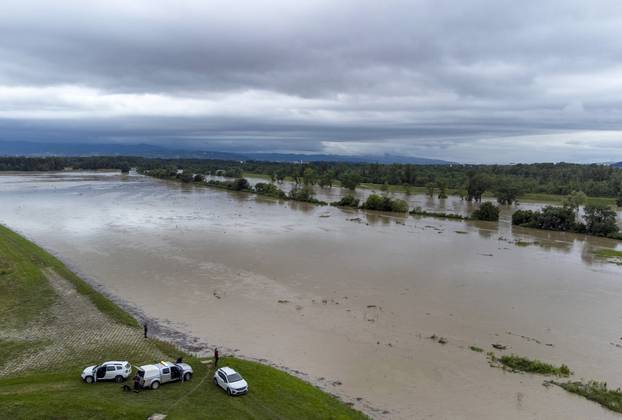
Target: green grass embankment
{"x": 44, "y": 351}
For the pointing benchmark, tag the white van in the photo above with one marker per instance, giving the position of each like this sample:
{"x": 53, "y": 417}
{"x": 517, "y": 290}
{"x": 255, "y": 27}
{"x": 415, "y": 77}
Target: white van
{"x": 152, "y": 376}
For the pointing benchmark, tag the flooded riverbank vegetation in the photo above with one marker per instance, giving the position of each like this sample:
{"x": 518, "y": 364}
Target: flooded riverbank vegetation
{"x": 523, "y": 364}
{"x": 54, "y": 324}
{"x": 547, "y": 182}
{"x": 597, "y": 220}
{"x": 595, "y": 391}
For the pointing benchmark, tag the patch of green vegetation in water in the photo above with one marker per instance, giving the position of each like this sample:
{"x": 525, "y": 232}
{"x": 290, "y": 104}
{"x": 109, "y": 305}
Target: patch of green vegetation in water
{"x": 595, "y": 391}
{"x": 611, "y": 255}
{"x": 523, "y": 364}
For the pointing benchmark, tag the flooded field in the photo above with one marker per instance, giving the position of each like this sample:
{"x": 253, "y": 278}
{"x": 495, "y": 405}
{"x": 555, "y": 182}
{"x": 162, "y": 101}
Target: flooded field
{"x": 346, "y": 298}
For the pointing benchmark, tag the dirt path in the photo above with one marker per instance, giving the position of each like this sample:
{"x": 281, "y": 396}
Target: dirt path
{"x": 73, "y": 330}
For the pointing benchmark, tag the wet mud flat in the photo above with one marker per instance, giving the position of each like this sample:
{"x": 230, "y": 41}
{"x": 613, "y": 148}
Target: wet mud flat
{"x": 347, "y": 300}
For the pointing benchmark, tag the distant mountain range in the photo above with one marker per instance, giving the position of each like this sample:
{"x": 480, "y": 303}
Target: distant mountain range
{"x": 617, "y": 165}
{"x": 13, "y": 148}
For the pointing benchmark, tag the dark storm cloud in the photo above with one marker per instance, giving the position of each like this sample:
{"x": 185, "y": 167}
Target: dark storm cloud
{"x": 453, "y": 79}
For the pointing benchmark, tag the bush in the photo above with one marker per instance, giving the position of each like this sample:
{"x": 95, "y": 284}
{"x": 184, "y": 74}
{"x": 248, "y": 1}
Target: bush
{"x": 271, "y": 190}
{"x": 199, "y": 178}
{"x": 304, "y": 194}
{"x": 347, "y": 201}
{"x": 523, "y": 217}
{"x": 185, "y": 178}
{"x": 533, "y": 366}
{"x": 377, "y": 202}
{"x": 241, "y": 184}
{"x": 600, "y": 220}
{"x": 556, "y": 218}
{"x": 487, "y": 211}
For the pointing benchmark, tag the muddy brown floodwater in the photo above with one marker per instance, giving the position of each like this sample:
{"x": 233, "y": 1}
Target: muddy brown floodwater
{"x": 346, "y": 298}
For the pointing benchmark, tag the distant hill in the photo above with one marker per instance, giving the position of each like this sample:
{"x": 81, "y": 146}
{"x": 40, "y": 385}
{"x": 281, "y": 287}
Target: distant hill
{"x": 13, "y": 148}
{"x": 617, "y": 165}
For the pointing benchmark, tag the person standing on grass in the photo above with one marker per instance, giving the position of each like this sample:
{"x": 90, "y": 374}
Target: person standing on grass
{"x": 145, "y": 329}
{"x": 215, "y": 357}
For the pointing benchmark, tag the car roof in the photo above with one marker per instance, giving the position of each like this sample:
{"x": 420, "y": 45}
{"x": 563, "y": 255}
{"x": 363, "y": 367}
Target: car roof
{"x": 115, "y": 362}
{"x": 227, "y": 370}
{"x": 167, "y": 364}
{"x": 149, "y": 368}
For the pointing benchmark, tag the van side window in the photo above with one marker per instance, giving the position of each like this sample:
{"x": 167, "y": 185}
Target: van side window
{"x": 222, "y": 376}
{"x": 167, "y": 370}
{"x": 119, "y": 367}
{"x": 109, "y": 368}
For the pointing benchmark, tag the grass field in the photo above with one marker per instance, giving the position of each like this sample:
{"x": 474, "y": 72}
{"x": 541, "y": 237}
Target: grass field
{"x": 53, "y": 324}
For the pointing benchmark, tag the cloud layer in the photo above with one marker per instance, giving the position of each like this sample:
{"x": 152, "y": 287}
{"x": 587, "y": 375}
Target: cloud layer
{"x": 473, "y": 81}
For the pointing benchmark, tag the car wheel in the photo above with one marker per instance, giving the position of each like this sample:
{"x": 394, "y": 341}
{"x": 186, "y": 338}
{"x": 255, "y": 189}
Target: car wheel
{"x": 88, "y": 379}
{"x": 155, "y": 385}
{"x": 187, "y": 376}
{"x": 229, "y": 391}
{"x": 118, "y": 379}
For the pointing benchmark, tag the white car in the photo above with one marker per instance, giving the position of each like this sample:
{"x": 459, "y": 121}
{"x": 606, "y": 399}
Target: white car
{"x": 117, "y": 371}
{"x": 231, "y": 381}
{"x": 152, "y": 376}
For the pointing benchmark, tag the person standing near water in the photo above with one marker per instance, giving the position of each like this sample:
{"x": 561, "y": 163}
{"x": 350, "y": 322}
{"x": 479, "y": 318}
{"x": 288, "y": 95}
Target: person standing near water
{"x": 145, "y": 329}
{"x": 215, "y": 357}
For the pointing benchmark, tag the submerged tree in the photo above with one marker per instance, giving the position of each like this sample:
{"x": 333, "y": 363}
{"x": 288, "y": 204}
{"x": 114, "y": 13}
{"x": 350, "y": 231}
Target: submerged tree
{"x": 507, "y": 191}
{"x": 442, "y": 189}
{"x": 430, "y": 187}
{"x": 477, "y": 184}
{"x": 575, "y": 200}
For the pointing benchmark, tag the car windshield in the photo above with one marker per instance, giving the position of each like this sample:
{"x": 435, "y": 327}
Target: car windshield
{"x": 234, "y": 378}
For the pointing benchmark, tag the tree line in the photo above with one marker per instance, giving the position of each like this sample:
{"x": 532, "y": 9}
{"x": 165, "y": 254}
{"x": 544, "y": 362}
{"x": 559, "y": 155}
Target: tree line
{"x": 506, "y": 182}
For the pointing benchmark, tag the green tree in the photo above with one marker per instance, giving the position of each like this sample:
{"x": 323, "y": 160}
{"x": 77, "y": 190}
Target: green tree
{"x": 507, "y": 191}
{"x": 350, "y": 180}
{"x": 309, "y": 176}
{"x": 575, "y": 200}
{"x": 477, "y": 184}
{"x": 430, "y": 187}
{"x": 442, "y": 189}
{"x": 600, "y": 220}
{"x": 326, "y": 179}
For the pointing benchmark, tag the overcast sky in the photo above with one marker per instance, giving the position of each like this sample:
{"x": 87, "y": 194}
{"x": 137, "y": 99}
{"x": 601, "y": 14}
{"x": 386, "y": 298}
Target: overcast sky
{"x": 462, "y": 80}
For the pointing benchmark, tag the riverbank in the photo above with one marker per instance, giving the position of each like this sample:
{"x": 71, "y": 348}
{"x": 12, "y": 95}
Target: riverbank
{"x": 54, "y": 324}
{"x": 351, "y": 303}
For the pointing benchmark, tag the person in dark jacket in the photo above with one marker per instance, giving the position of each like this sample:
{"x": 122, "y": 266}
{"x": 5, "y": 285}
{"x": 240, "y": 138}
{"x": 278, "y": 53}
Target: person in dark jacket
{"x": 215, "y": 357}
{"x": 145, "y": 329}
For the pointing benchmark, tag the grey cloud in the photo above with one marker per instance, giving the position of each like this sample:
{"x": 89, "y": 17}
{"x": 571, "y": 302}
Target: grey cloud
{"x": 422, "y": 76}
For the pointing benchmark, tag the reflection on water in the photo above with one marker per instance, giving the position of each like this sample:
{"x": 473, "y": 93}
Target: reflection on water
{"x": 342, "y": 294}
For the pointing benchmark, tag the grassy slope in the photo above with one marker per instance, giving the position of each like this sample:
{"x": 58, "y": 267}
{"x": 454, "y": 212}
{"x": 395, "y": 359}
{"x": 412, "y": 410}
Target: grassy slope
{"x": 59, "y": 392}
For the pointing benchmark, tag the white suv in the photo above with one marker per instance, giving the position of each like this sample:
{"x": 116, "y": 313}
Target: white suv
{"x": 152, "y": 376}
{"x": 108, "y": 371}
{"x": 231, "y": 381}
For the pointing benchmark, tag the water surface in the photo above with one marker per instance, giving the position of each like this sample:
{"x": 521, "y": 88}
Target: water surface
{"x": 347, "y": 297}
